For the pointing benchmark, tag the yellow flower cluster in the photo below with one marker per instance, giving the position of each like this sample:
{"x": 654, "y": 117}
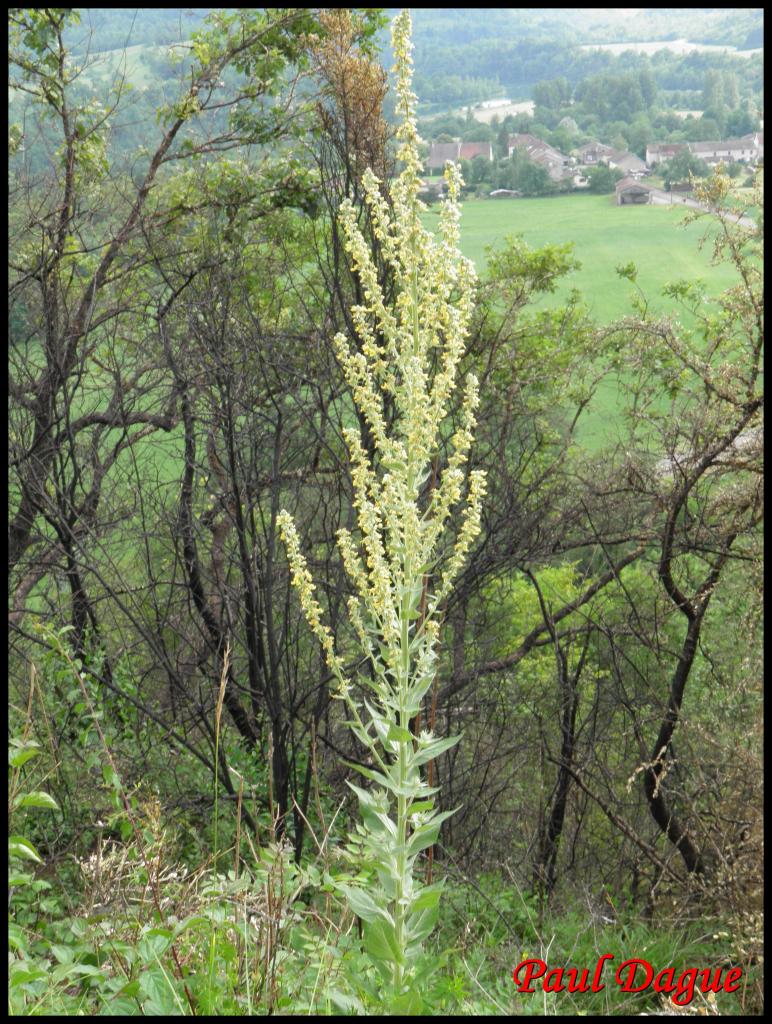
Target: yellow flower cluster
{"x": 410, "y": 351}
{"x": 301, "y": 580}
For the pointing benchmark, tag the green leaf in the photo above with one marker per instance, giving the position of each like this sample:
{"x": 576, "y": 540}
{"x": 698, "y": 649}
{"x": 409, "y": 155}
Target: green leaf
{"x": 38, "y": 799}
{"x": 427, "y": 897}
{"x": 154, "y": 944}
{"x": 20, "y": 878}
{"x": 421, "y": 924}
{"x": 24, "y": 974}
{"x": 129, "y": 990}
{"x": 426, "y": 835}
{"x": 399, "y": 735}
{"x": 121, "y": 1006}
{"x": 22, "y": 753}
{"x": 388, "y": 825}
{"x": 428, "y": 750}
{"x": 422, "y": 838}
{"x": 72, "y": 970}
{"x": 381, "y": 942}
{"x": 155, "y": 986}
{"x": 64, "y": 954}
{"x": 18, "y": 846}
{"x": 362, "y": 904}
{"x": 189, "y": 922}
{"x": 365, "y": 799}
{"x": 421, "y": 805}
{"x": 16, "y": 938}
{"x": 346, "y": 1003}
{"x": 369, "y": 773}
{"x": 408, "y": 1004}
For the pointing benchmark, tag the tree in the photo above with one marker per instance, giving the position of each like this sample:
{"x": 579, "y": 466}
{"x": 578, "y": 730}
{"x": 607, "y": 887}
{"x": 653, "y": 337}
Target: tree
{"x": 640, "y": 133}
{"x": 502, "y": 142}
{"x": 712, "y": 90}
{"x": 603, "y": 179}
{"x": 741, "y": 121}
{"x": 709, "y": 481}
{"x": 730, "y": 92}
{"x": 481, "y": 170}
{"x": 115, "y": 284}
{"x": 533, "y": 179}
{"x": 552, "y": 95}
{"x": 61, "y": 256}
{"x": 648, "y": 86}
{"x": 682, "y": 166}
{"x": 628, "y": 505}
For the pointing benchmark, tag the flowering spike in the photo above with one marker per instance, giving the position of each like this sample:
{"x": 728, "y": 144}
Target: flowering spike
{"x": 410, "y": 350}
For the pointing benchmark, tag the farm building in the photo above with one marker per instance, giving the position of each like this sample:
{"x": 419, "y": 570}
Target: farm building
{"x": 440, "y": 153}
{"x": 630, "y": 191}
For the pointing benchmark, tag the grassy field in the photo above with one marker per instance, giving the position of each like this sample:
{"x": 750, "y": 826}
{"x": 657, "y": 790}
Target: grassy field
{"x": 604, "y": 235}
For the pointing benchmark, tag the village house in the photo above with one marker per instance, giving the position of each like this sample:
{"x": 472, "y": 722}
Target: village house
{"x": 758, "y": 138}
{"x": 557, "y": 164}
{"x": 631, "y": 191}
{"x": 469, "y": 150}
{"x": 627, "y": 162}
{"x": 749, "y": 149}
{"x": 661, "y": 152}
{"x": 441, "y": 152}
{"x": 489, "y": 104}
{"x": 593, "y": 153}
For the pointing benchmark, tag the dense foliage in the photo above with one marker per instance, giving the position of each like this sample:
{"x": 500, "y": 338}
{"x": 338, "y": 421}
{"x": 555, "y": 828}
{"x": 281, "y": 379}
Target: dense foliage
{"x": 227, "y": 322}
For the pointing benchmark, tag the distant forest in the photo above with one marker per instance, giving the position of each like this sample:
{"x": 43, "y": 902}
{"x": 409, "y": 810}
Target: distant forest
{"x": 464, "y": 55}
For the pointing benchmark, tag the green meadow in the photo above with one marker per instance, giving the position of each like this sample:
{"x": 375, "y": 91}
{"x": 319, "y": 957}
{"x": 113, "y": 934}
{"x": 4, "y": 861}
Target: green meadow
{"x": 604, "y": 236}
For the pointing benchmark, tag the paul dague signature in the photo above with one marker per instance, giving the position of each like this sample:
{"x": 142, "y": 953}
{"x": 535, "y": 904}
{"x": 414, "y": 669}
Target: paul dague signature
{"x": 631, "y": 976}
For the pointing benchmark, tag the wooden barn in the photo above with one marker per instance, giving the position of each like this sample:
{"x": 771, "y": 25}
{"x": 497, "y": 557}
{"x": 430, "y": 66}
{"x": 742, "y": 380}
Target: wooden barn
{"x": 631, "y": 191}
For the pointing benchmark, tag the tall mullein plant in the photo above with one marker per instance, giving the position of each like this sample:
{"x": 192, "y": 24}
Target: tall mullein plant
{"x": 410, "y": 352}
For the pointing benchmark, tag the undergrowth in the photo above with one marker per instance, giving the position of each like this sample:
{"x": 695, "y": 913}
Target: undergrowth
{"x": 124, "y": 925}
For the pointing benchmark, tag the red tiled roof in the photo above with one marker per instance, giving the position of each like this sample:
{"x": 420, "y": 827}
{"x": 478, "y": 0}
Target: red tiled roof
{"x": 469, "y": 150}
